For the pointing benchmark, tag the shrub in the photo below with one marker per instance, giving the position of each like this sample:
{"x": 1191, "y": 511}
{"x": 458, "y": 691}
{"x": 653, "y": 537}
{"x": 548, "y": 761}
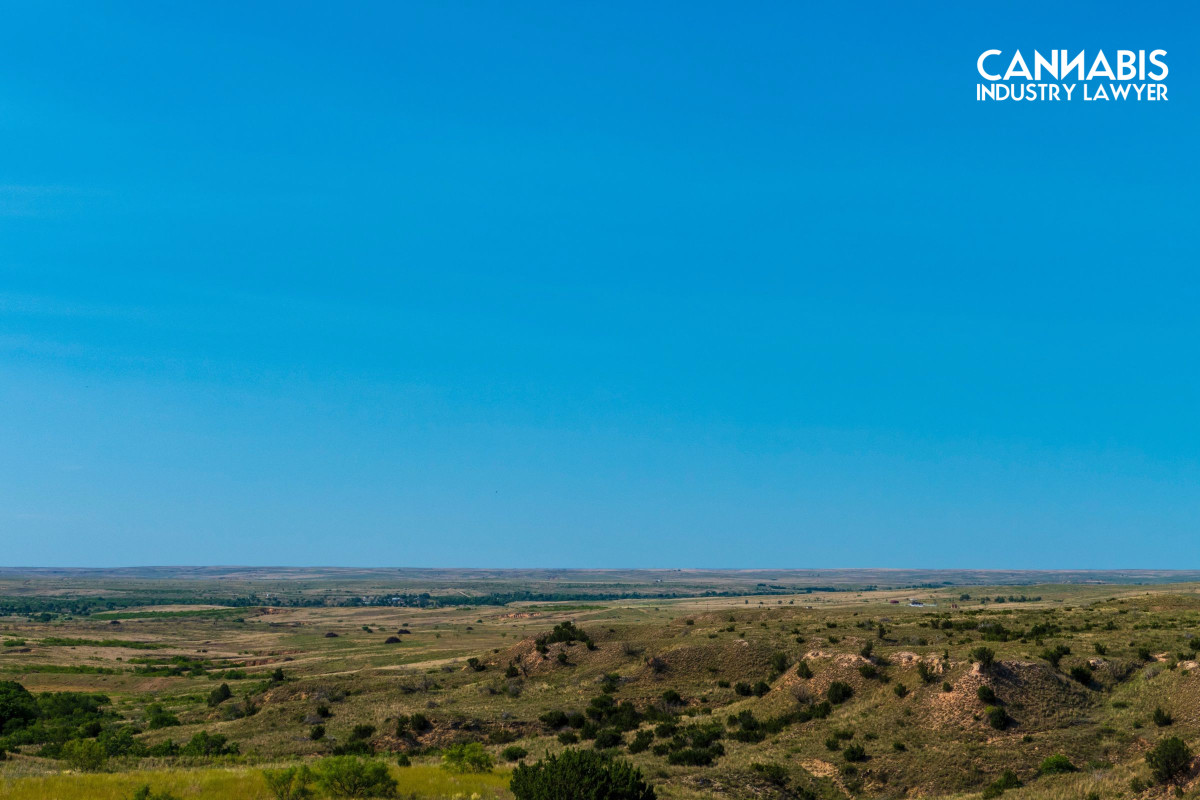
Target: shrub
{"x": 209, "y": 744}
{"x": 773, "y": 773}
{"x": 1169, "y": 758}
{"x": 1007, "y": 780}
{"x": 554, "y": 719}
{"x": 568, "y": 737}
{"x": 1162, "y": 718}
{"x": 924, "y": 672}
{"x": 293, "y": 783}
{"x": 868, "y": 671}
{"x": 987, "y": 694}
{"x": 839, "y": 692}
{"x": 469, "y": 757}
{"x": 761, "y": 688}
{"x": 1055, "y": 654}
{"x": 560, "y": 778}
{"x": 1082, "y": 673}
{"x": 17, "y": 706}
{"x": 855, "y": 752}
{"x": 609, "y": 737}
{"x": 316, "y": 733}
{"x": 742, "y": 689}
{"x": 901, "y": 690}
{"x": 219, "y": 695}
{"x": 641, "y": 742}
{"x": 997, "y": 717}
{"x": 804, "y": 670}
{"x": 85, "y": 755}
{"x": 347, "y": 776}
{"x": 947, "y": 686}
{"x": 986, "y": 656}
{"x": 392, "y": 640}
{"x": 419, "y": 722}
{"x": 1055, "y": 765}
{"x": 157, "y": 717}
{"x": 779, "y": 662}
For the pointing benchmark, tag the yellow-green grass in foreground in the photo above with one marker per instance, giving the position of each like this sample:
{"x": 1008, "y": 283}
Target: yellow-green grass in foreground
{"x": 240, "y": 783}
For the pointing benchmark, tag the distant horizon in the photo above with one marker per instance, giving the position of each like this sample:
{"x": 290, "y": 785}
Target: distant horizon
{"x": 362, "y": 568}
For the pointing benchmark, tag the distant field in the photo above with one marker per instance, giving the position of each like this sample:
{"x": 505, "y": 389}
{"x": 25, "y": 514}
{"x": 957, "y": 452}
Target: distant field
{"x": 1078, "y": 670}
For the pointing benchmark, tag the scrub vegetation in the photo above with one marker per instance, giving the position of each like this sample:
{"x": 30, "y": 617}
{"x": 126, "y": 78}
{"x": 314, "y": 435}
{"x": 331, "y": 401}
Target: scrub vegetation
{"x": 642, "y": 685}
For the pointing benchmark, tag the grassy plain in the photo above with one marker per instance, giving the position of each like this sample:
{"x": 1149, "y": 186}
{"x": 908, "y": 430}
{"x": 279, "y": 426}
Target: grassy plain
{"x": 745, "y": 644}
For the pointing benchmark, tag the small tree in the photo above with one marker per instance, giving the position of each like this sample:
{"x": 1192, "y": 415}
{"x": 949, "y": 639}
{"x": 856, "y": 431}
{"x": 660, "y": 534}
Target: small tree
{"x": 1168, "y": 759}
{"x": 85, "y": 755}
{"x": 561, "y": 777}
{"x": 514, "y": 752}
{"x": 1055, "y": 765}
{"x": 219, "y": 695}
{"x": 839, "y": 692}
{"x": 997, "y": 717}
{"x": 347, "y": 776}
{"x": 1162, "y": 718}
{"x": 986, "y": 656}
{"x": 468, "y": 757}
{"x": 293, "y": 783}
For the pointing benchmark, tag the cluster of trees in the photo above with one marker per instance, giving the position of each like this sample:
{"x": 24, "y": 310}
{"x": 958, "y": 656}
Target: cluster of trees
{"x": 81, "y": 728}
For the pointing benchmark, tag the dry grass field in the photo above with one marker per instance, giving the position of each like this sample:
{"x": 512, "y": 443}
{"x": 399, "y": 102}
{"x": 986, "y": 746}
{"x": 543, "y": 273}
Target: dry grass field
{"x": 763, "y": 688}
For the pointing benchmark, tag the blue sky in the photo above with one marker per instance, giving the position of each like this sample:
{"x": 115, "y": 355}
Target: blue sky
{"x": 581, "y": 284}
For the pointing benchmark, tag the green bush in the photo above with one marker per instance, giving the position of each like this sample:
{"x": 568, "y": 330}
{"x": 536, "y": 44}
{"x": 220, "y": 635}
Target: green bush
{"x": 997, "y": 717}
{"x": 775, "y": 774}
{"x": 1161, "y": 718}
{"x": 803, "y": 670}
{"x": 347, "y": 776}
{"x": 1056, "y": 765}
{"x": 1168, "y": 758}
{"x": 561, "y": 777}
{"x": 986, "y": 656}
{"x": 292, "y": 783}
{"x": 839, "y": 692}
{"x": 608, "y": 737}
{"x": 158, "y": 717}
{"x": 641, "y": 742}
{"x": 514, "y": 752}
{"x": 1082, "y": 673}
{"x": 987, "y": 694}
{"x": 85, "y": 755}
{"x": 468, "y": 757}
{"x": 855, "y": 752}
{"x": 1007, "y": 780}
{"x": 219, "y": 695}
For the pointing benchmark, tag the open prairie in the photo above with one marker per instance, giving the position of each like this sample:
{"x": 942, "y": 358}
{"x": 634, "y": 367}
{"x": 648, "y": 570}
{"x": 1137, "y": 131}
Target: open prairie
{"x": 715, "y": 684}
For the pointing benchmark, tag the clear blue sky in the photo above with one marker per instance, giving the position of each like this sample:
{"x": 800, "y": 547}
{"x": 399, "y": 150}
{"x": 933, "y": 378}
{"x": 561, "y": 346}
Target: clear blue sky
{"x": 592, "y": 284}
